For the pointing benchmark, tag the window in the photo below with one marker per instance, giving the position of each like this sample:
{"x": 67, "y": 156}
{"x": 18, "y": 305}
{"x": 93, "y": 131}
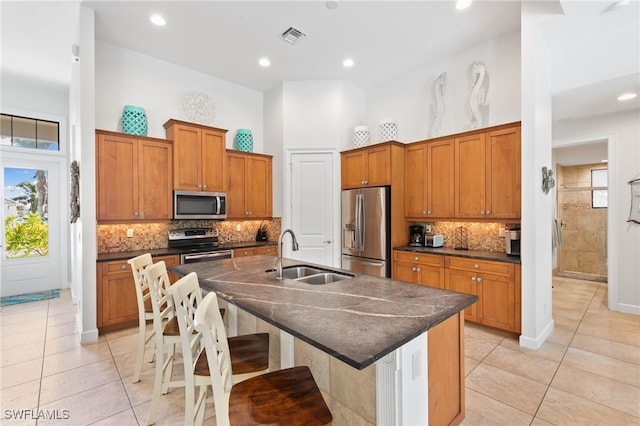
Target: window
{"x": 599, "y": 180}
{"x": 29, "y": 133}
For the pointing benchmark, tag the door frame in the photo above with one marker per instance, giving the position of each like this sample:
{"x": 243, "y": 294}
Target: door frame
{"x": 335, "y": 186}
{"x": 613, "y": 210}
{"x": 60, "y": 158}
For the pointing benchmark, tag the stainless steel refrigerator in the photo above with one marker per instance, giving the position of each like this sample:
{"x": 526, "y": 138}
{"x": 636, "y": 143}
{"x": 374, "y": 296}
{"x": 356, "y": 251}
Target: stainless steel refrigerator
{"x": 366, "y": 228}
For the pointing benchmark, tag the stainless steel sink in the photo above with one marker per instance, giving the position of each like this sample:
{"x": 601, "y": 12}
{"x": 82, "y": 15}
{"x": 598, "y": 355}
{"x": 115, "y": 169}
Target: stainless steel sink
{"x": 298, "y": 271}
{"x": 312, "y": 275}
{"x": 325, "y": 278}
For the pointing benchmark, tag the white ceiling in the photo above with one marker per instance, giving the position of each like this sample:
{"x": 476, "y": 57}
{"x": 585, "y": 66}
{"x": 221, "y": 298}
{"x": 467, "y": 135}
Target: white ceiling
{"x": 225, "y": 39}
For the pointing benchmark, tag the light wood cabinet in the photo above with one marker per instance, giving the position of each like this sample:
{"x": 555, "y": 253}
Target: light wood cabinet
{"x": 254, "y": 251}
{"x": 133, "y": 177}
{"x": 495, "y": 283}
{"x": 117, "y": 305}
{"x": 198, "y": 156}
{"x": 364, "y": 167}
{"x": 487, "y": 174}
{"x": 250, "y": 188}
{"x": 419, "y": 268}
{"x": 429, "y": 180}
{"x": 446, "y": 372}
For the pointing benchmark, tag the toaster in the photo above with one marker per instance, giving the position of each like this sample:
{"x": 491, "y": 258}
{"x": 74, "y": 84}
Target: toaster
{"x": 434, "y": 240}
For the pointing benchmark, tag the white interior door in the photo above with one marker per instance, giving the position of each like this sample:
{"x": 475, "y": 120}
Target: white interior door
{"x": 32, "y": 248}
{"x": 312, "y": 201}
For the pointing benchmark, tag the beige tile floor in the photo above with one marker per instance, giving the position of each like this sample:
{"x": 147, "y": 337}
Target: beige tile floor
{"x": 586, "y": 373}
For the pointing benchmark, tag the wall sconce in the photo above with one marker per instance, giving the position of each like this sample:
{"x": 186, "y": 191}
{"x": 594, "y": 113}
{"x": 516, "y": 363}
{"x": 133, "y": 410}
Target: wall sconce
{"x": 548, "y": 181}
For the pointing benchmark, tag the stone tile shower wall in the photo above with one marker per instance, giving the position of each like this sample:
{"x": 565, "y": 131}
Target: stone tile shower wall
{"x": 149, "y": 236}
{"x": 584, "y": 230}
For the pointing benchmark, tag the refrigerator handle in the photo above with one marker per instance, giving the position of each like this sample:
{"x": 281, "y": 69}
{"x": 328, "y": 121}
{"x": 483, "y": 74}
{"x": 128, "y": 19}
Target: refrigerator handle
{"x": 360, "y": 214}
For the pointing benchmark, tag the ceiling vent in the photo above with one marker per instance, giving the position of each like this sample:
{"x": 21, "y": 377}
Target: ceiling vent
{"x": 292, "y": 35}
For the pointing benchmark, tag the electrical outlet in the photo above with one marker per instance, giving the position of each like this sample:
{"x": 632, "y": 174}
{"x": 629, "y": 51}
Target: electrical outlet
{"x": 238, "y": 227}
{"x": 130, "y": 233}
{"x": 416, "y": 367}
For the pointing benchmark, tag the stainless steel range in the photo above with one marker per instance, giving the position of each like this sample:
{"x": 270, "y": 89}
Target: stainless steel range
{"x": 197, "y": 245}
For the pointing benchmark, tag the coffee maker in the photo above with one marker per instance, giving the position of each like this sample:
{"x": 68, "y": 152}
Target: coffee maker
{"x": 512, "y": 241}
{"x": 416, "y": 235}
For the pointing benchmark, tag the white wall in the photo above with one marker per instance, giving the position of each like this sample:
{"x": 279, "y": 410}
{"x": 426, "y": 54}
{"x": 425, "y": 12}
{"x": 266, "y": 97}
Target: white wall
{"x": 274, "y": 143}
{"x": 408, "y": 99}
{"x": 623, "y": 131}
{"x": 124, "y": 77}
{"x": 26, "y": 94}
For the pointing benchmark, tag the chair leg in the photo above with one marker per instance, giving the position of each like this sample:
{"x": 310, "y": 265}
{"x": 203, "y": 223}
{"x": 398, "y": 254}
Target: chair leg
{"x": 157, "y": 382}
{"x": 200, "y": 405}
{"x": 142, "y": 334}
{"x": 168, "y": 368}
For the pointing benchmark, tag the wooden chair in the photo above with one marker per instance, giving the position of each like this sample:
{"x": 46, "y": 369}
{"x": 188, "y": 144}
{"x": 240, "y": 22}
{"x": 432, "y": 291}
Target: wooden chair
{"x": 249, "y": 353}
{"x": 166, "y": 329}
{"x": 284, "y": 397}
{"x": 145, "y": 312}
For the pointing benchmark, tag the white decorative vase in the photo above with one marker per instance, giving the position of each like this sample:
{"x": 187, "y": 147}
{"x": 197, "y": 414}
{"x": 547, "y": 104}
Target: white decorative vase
{"x": 388, "y": 130}
{"x": 361, "y": 136}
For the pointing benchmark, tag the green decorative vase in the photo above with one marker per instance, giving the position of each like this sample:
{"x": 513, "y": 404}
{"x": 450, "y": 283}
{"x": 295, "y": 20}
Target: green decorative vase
{"x": 244, "y": 140}
{"x": 134, "y": 120}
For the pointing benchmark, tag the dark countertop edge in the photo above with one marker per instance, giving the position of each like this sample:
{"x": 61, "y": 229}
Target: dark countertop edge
{"x": 166, "y": 251}
{"x": 357, "y": 365}
{"x": 471, "y": 254}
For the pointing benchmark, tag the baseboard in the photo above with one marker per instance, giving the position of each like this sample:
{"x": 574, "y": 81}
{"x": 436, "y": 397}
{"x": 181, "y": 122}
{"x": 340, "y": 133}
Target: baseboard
{"x": 89, "y": 336}
{"x": 529, "y": 343}
{"x": 628, "y": 309}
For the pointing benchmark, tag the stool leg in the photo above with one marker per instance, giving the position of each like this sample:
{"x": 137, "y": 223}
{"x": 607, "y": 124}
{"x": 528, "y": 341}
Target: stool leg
{"x": 140, "y": 358}
{"x": 168, "y": 368}
{"x": 157, "y": 381}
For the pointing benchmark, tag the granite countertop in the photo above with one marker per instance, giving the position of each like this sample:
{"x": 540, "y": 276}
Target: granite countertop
{"x": 124, "y": 255}
{"x": 358, "y": 320}
{"x": 473, "y": 254}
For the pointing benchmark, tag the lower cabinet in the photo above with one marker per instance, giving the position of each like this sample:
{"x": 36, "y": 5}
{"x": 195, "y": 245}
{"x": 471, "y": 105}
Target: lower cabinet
{"x": 497, "y": 285}
{"x": 419, "y": 268}
{"x": 446, "y": 372}
{"x": 117, "y": 304}
{"x": 254, "y": 251}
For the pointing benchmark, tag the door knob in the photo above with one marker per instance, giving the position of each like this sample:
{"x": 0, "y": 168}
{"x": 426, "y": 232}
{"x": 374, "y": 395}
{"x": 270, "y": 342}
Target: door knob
{"x": 327, "y": 241}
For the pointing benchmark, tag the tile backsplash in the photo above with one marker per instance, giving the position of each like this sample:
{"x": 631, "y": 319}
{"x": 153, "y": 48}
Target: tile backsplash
{"x": 149, "y": 236}
{"x": 480, "y": 236}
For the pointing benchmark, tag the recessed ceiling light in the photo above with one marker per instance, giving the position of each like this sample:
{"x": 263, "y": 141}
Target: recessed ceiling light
{"x": 463, "y": 4}
{"x": 627, "y": 96}
{"x": 264, "y": 62}
{"x": 348, "y": 63}
{"x": 158, "y": 20}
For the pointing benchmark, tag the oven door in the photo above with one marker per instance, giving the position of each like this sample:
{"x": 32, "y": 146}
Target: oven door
{"x": 205, "y": 256}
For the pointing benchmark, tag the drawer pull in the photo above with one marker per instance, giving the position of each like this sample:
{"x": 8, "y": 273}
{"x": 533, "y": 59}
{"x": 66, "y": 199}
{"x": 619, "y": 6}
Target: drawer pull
{"x": 123, "y": 267}
{"x": 475, "y": 265}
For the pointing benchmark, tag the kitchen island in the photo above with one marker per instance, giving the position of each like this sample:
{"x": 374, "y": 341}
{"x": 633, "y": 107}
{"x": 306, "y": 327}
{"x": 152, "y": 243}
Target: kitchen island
{"x": 379, "y": 349}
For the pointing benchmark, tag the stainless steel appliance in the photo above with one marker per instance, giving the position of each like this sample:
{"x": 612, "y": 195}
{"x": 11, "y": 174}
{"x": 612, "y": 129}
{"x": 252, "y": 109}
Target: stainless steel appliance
{"x": 197, "y": 245}
{"x": 512, "y": 241}
{"x": 416, "y": 235}
{"x": 431, "y": 240}
{"x": 366, "y": 228}
{"x": 199, "y": 205}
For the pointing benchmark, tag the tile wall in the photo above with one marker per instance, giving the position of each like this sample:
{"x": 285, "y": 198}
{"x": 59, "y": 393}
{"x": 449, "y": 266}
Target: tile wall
{"x": 480, "y": 236}
{"x": 148, "y": 236}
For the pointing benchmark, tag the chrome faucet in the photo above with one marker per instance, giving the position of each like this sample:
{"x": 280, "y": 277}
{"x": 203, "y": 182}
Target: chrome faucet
{"x": 278, "y": 265}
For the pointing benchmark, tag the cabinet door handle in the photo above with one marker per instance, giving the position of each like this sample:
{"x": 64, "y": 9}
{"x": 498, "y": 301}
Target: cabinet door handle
{"x": 142, "y": 214}
{"x": 424, "y": 212}
{"x": 481, "y": 211}
{"x": 413, "y": 269}
{"x": 418, "y": 269}
{"x": 479, "y": 279}
{"x": 428, "y": 211}
{"x": 473, "y": 278}
{"x": 488, "y": 211}
{"x": 135, "y": 213}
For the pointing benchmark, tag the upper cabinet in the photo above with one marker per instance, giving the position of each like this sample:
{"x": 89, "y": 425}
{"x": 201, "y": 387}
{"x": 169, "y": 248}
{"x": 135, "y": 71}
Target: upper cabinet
{"x": 133, "y": 177}
{"x": 364, "y": 167}
{"x": 487, "y": 174}
{"x": 250, "y": 187}
{"x": 429, "y": 180}
{"x": 198, "y": 156}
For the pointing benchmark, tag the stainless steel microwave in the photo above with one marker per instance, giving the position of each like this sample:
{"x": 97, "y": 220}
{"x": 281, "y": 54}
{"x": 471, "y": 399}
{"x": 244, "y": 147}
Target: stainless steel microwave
{"x": 199, "y": 205}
